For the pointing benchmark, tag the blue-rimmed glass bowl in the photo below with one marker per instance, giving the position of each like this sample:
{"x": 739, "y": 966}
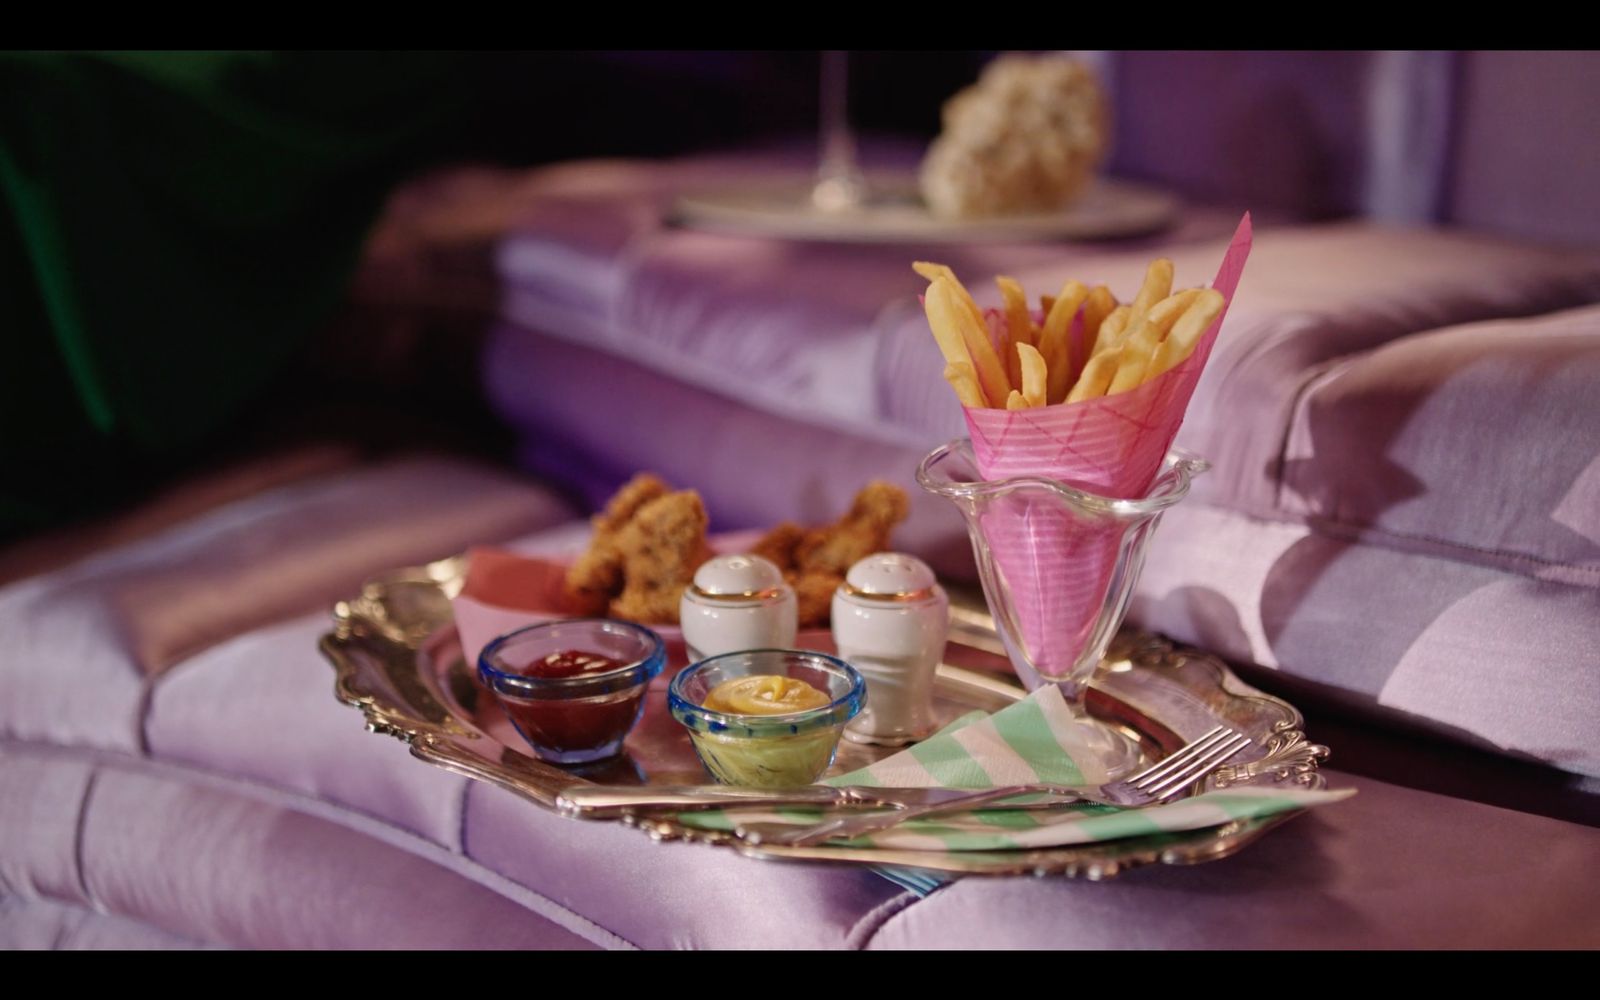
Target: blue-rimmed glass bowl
{"x": 767, "y": 751}
{"x": 573, "y": 720}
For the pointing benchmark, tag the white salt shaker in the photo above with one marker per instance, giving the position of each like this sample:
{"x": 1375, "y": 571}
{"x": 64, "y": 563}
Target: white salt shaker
{"x": 736, "y": 603}
{"x": 890, "y": 620}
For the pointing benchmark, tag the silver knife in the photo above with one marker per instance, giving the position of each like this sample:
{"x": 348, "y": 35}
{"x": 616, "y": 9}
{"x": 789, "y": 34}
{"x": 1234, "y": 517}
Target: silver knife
{"x": 610, "y": 802}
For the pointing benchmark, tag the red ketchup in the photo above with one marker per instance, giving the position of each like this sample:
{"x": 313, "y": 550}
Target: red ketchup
{"x": 570, "y": 724}
{"x": 572, "y": 663}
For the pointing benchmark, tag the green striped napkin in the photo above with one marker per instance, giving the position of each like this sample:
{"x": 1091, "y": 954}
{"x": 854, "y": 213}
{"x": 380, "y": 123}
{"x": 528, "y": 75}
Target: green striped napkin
{"x": 1036, "y": 739}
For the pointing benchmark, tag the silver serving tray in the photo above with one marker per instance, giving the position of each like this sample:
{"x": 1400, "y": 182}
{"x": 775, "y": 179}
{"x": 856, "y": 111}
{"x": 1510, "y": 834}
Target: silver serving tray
{"x": 397, "y": 658}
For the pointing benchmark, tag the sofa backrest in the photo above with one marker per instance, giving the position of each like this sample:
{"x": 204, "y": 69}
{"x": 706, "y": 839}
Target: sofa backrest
{"x": 1498, "y": 141}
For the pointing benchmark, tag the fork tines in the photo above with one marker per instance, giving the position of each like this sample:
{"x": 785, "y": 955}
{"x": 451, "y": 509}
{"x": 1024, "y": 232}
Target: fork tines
{"x": 1175, "y": 773}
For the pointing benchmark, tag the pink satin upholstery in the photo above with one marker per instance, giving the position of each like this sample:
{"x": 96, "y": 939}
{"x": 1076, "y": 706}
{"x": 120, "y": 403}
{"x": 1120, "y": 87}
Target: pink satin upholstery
{"x": 195, "y": 865}
{"x": 1348, "y": 877}
{"x": 261, "y": 815}
{"x": 286, "y": 551}
{"x": 44, "y": 924}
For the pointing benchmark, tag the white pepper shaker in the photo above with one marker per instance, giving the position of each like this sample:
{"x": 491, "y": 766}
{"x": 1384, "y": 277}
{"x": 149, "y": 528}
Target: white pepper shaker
{"x": 890, "y": 620}
{"x": 735, "y": 603}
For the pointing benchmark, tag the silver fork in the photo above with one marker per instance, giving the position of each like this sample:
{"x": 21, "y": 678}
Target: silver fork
{"x": 1161, "y": 782}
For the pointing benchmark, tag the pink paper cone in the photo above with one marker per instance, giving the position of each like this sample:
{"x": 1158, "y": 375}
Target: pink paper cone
{"x": 1058, "y": 566}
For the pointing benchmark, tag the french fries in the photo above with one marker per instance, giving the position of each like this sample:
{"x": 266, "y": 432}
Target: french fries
{"x": 1096, "y": 377}
{"x": 946, "y": 330}
{"x": 1055, "y": 343}
{"x": 964, "y": 339}
{"x": 1023, "y": 364}
{"x": 1018, "y": 320}
{"x": 935, "y": 271}
{"x": 1033, "y": 374}
{"x": 1157, "y": 285}
{"x": 965, "y": 382}
{"x": 1132, "y": 363}
{"x": 1100, "y": 304}
{"x": 1188, "y": 330}
{"x": 1166, "y": 312}
{"x": 1019, "y": 326}
{"x": 1111, "y": 329}
{"x": 1133, "y": 357}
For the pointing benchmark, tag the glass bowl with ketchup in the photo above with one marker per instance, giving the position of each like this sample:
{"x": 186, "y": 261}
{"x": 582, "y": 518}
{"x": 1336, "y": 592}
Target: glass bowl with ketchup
{"x": 768, "y": 718}
{"x": 573, "y": 688}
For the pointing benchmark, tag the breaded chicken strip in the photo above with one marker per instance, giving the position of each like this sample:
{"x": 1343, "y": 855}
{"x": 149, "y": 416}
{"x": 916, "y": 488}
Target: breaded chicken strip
{"x": 861, "y": 532}
{"x": 823, "y": 555}
{"x": 779, "y": 544}
{"x": 596, "y": 578}
{"x": 813, "y": 594}
{"x": 661, "y": 548}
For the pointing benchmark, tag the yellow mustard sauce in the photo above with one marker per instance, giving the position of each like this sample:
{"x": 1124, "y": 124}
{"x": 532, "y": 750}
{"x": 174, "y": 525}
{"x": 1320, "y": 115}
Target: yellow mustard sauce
{"x": 764, "y": 694}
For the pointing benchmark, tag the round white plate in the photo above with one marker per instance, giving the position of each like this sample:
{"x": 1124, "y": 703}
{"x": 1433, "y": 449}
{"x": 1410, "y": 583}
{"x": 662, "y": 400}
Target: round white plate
{"x": 895, "y": 213}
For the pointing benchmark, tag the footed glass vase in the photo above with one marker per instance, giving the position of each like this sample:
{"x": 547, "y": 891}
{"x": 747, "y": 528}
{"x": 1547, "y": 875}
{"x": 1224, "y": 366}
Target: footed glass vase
{"x": 1058, "y": 563}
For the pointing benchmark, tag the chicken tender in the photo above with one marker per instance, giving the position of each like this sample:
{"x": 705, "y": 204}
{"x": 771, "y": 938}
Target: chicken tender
{"x": 661, "y": 547}
{"x": 813, "y": 593}
{"x": 861, "y": 532}
{"x": 778, "y": 545}
{"x": 596, "y": 578}
{"x": 648, "y": 542}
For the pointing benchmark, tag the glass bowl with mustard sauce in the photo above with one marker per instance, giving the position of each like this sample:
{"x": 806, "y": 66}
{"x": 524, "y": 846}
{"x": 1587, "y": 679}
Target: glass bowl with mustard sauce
{"x": 767, "y": 718}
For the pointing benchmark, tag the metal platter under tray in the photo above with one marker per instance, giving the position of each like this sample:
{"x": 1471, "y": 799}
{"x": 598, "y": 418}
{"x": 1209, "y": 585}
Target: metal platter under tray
{"x": 397, "y": 657}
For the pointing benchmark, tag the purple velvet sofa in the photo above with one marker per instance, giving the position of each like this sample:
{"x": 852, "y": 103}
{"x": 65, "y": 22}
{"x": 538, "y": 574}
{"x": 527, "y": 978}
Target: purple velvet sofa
{"x": 1401, "y": 533}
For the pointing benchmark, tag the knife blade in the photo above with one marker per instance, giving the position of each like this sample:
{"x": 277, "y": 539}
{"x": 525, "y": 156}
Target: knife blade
{"x": 610, "y": 802}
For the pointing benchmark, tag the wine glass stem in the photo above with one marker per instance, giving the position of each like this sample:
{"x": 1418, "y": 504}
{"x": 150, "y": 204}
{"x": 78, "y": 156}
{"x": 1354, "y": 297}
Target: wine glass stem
{"x": 839, "y": 183}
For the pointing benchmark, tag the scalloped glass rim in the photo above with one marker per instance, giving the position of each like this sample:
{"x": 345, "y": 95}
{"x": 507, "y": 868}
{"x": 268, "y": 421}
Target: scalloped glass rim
{"x": 1172, "y": 485}
{"x": 639, "y": 671}
{"x": 841, "y": 710}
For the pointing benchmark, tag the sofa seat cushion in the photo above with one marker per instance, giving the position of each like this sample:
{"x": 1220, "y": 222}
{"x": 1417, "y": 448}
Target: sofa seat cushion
{"x": 260, "y": 708}
{"x": 84, "y": 641}
{"x": 168, "y": 861}
{"x": 46, "y": 925}
{"x": 1467, "y": 651}
{"x": 1315, "y": 295}
{"x": 674, "y": 895}
{"x": 1389, "y": 868}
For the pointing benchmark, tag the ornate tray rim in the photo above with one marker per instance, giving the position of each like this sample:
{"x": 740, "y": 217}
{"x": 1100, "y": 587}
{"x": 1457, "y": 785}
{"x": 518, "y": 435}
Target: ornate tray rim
{"x": 363, "y": 623}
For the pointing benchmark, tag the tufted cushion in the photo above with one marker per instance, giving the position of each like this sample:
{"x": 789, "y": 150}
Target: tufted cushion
{"x": 1477, "y": 442}
{"x": 111, "y": 620}
{"x": 39, "y": 924}
{"x": 1434, "y": 548}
